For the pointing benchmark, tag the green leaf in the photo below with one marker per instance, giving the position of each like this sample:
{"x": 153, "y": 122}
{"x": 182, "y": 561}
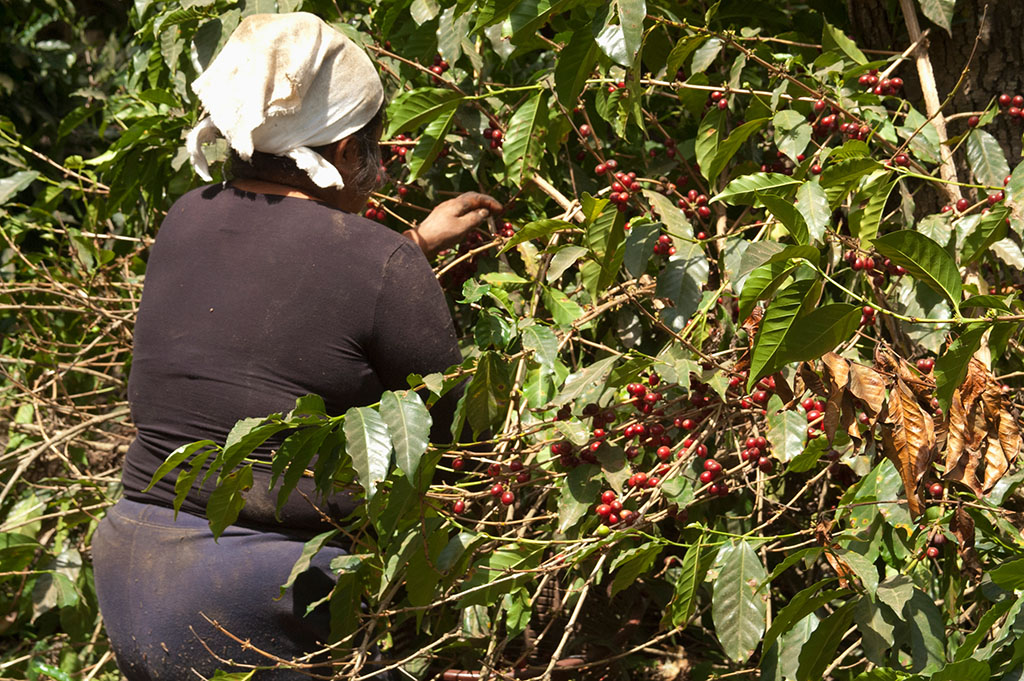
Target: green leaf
{"x": 731, "y": 145}
{"x": 787, "y": 430}
{"x": 819, "y": 331}
{"x": 12, "y": 184}
{"x": 409, "y": 424}
{"x": 708, "y": 135}
{"x": 986, "y": 158}
{"x": 412, "y": 109}
{"x": 705, "y": 55}
{"x": 626, "y": 573}
{"x": 577, "y": 383}
{"x": 430, "y": 144}
{"x": 577, "y": 496}
{"x": 680, "y": 52}
{"x": 227, "y": 500}
{"x": 846, "y": 171}
{"x": 820, "y": 650}
{"x": 564, "y": 310}
{"x": 792, "y": 133}
{"x": 744, "y": 189}
{"x": 368, "y": 443}
{"x": 833, "y": 37}
{"x": 564, "y": 258}
{"x": 673, "y": 217}
{"x": 575, "y": 64}
{"x": 614, "y": 466}
{"x": 297, "y": 451}
{"x": 991, "y": 228}
{"x": 737, "y": 608}
{"x": 786, "y": 213}
{"x": 769, "y": 344}
{"x": 927, "y": 633}
{"x": 612, "y": 41}
{"x": 869, "y": 206}
{"x": 986, "y": 624}
{"x": 523, "y": 141}
{"x": 1009, "y": 575}
{"x": 802, "y": 604}
{"x": 544, "y": 344}
{"x": 639, "y": 245}
{"x": 924, "y": 260}
{"x": 487, "y": 394}
{"x": 176, "y": 458}
{"x": 631, "y": 17}
{"x": 966, "y": 670}
{"x": 696, "y": 561}
{"x": 940, "y": 12}
{"x": 309, "y": 549}
{"x": 951, "y": 366}
{"x": 813, "y": 206}
{"x": 681, "y": 281}
{"x": 765, "y": 279}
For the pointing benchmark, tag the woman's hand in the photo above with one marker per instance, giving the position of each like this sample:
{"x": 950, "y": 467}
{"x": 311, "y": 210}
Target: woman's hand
{"x": 451, "y": 220}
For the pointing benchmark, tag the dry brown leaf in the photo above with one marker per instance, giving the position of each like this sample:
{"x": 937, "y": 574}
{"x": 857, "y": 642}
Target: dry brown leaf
{"x": 812, "y": 381}
{"x": 782, "y": 388}
{"x": 868, "y": 386}
{"x": 911, "y": 436}
{"x": 983, "y": 437}
{"x": 836, "y": 372}
{"x": 962, "y": 527}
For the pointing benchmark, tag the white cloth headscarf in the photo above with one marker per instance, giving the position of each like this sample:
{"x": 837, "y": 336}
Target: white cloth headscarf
{"x": 284, "y": 83}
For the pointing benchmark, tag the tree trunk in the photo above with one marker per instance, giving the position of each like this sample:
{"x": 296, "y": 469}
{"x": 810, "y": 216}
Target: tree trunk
{"x": 997, "y": 67}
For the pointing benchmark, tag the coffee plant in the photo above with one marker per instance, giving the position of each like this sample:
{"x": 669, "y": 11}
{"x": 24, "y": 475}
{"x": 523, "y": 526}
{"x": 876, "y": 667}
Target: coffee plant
{"x": 741, "y": 387}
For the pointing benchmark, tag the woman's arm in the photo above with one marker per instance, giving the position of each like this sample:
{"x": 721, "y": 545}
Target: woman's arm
{"x": 451, "y": 220}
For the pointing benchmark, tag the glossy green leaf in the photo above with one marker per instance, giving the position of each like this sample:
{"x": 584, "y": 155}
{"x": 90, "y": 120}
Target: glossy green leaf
{"x": 176, "y": 458}
{"x": 575, "y": 64}
{"x": 869, "y": 207}
{"x": 523, "y": 141}
{"x": 832, "y": 37}
{"x": 951, "y": 366}
{"x": 927, "y": 633}
{"x": 487, "y": 394}
{"x": 819, "y": 331}
{"x": 992, "y": 227}
{"x": 792, "y": 133}
{"x": 813, "y": 206}
{"x": 768, "y": 354}
{"x": 631, "y": 17}
{"x": 639, "y": 246}
{"x": 12, "y": 184}
{"x": 986, "y": 158}
{"x": 940, "y": 12}
{"x": 745, "y": 188}
{"x": 821, "y": 647}
{"x": 787, "y": 214}
{"x": 226, "y": 501}
{"x": 583, "y": 379}
{"x": 965, "y": 670}
{"x": 429, "y": 146}
{"x": 309, "y": 549}
{"x": 709, "y": 134}
{"x": 788, "y": 431}
{"x": 671, "y": 215}
{"x": 728, "y": 148}
{"x": 705, "y": 55}
{"x": 924, "y": 260}
{"x": 563, "y": 309}
{"x": 612, "y": 41}
{"x": 411, "y": 109}
{"x": 297, "y": 451}
{"x": 681, "y": 281}
{"x": 368, "y": 443}
{"x": 628, "y": 571}
{"x": 767, "y": 278}
{"x": 737, "y": 608}
{"x": 536, "y": 230}
{"x": 1009, "y": 575}
{"x": 544, "y": 344}
{"x": 680, "y": 52}
{"x": 409, "y": 424}
{"x": 696, "y": 561}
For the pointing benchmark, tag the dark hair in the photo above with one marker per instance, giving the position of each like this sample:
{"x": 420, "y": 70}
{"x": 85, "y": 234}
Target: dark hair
{"x": 366, "y": 178}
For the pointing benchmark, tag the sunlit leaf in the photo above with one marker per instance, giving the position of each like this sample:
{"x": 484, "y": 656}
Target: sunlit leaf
{"x": 737, "y": 609}
{"x": 368, "y": 442}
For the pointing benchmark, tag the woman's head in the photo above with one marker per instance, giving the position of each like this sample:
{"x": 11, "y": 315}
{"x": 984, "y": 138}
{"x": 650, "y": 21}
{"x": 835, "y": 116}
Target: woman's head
{"x": 288, "y": 85}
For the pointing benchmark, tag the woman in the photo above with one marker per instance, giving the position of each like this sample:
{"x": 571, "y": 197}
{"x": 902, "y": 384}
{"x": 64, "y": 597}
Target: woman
{"x": 259, "y": 291}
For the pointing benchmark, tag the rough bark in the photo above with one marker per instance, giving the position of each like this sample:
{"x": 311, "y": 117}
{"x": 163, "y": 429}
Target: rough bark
{"x": 998, "y": 64}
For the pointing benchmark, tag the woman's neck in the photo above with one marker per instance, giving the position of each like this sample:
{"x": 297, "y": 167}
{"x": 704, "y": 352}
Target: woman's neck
{"x": 265, "y": 187}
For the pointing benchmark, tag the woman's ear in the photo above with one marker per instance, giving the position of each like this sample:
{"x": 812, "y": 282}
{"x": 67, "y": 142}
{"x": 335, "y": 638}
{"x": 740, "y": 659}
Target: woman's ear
{"x": 345, "y": 154}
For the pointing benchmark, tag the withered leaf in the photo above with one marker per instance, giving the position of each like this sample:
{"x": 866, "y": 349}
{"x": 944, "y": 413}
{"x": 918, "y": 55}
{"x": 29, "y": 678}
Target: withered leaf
{"x": 911, "y": 434}
{"x": 868, "y": 386}
{"x": 962, "y": 527}
{"x": 837, "y": 371}
{"x": 812, "y": 381}
{"x": 782, "y": 388}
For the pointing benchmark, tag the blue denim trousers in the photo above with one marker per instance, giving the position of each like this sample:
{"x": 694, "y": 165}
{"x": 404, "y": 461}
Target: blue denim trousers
{"x": 156, "y": 578}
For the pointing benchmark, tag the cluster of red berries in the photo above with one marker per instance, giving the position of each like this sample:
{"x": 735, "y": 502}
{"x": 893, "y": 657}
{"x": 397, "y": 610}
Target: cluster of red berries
{"x": 670, "y": 149}
{"x": 563, "y": 450}
{"x": 815, "y": 410}
{"x": 612, "y": 87}
{"x": 1014, "y": 106}
{"x": 644, "y": 399}
{"x": 495, "y": 135}
{"x": 664, "y": 246}
{"x": 780, "y": 164}
{"x": 610, "y": 509}
{"x": 695, "y": 204}
{"x": 925, "y": 364}
{"x": 507, "y": 229}
{"x": 760, "y": 396}
{"x": 719, "y": 99}
{"x": 507, "y": 496}
{"x": 756, "y": 451}
{"x": 880, "y": 86}
{"x": 374, "y": 211}
{"x": 901, "y": 160}
{"x": 712, "y": 471}
{"x": 439, "y": 67}
{"x": 641, "y": 481}
{"x": 867, "y": 316}
{"x": 935, "y": 544}
{"x": 854, "y": 131}
{"x": 400, "y": 150}
{"x": 867, "y": 264}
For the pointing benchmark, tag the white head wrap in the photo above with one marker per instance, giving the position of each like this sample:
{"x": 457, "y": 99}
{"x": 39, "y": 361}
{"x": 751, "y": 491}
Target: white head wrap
{"x": 284, "y": 83}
